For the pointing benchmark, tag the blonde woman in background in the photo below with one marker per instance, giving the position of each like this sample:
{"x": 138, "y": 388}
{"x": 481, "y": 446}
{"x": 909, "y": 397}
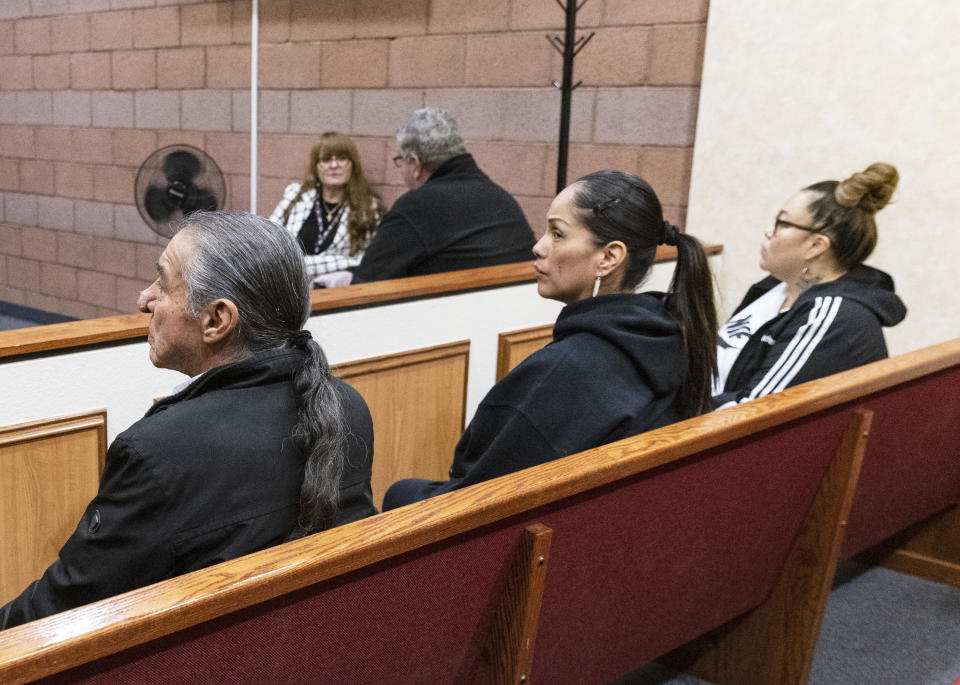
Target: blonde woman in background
{"x": 821, "y": 310}
{"x": 333, "y": 212}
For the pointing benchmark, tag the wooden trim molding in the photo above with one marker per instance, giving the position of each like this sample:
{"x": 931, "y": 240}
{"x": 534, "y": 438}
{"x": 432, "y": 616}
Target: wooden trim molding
{"x": 49, "y": 472}
{"x": 361, "y": 367}
{"x": 60, "y": 336}
{"x": 515, "y": 346}
{"x": 418, "y": 403}
{"x": 58, "y": 426}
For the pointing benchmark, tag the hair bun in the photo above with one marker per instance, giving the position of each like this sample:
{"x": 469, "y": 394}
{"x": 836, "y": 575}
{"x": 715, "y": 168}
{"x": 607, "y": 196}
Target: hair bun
{"x": 870, "y": 189}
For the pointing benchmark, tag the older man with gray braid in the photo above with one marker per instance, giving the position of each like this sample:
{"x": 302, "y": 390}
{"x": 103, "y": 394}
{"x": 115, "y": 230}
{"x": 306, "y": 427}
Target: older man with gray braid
{"x": 260, "y": 445}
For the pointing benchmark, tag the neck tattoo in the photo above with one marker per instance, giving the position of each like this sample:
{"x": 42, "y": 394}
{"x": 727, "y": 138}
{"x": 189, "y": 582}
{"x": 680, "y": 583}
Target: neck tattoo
{"x": 808, "y": 280}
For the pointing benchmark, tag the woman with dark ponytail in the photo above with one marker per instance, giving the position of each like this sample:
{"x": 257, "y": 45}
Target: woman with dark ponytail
{"x": 621, "y": 362}
{"x": 821, "y": 310}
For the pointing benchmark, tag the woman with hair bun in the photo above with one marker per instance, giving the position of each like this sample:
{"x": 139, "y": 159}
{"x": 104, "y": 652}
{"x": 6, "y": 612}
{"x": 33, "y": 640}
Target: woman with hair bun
{"x": 621, "y": 361}
{"x": 333, "y": 212}
{"x": 821, "y": 310}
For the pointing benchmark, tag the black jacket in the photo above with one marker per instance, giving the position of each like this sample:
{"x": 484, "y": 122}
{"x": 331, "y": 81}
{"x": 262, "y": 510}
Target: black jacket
{"x": 614, "y": 369}
{"x": 208, "y": 474}
{"x": 458, "y": 219}
{"x": 831, "y": 327}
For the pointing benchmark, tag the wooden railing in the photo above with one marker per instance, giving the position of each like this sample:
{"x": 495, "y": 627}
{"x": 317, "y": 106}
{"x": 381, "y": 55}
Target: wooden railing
{"x": 130, "y": 326}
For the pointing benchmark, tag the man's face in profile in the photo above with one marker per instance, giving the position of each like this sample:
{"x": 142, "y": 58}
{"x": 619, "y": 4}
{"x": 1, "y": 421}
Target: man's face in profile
{"x": 175, "y": 337}
{"x": 409, "y": 167}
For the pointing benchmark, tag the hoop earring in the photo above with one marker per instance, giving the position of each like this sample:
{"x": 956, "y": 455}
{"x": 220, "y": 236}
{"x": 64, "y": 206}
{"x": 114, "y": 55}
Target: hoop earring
{"x": 596, "y": 285}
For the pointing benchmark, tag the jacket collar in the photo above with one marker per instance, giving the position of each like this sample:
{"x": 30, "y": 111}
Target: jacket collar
{"x": 258, "y": 369}
{"x": 456, "y": 166}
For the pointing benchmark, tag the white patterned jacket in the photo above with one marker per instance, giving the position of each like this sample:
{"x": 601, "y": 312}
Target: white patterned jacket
{"x": 337, "y": 257}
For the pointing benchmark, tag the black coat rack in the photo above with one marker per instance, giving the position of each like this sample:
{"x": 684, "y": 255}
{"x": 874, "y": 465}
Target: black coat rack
{"x": 569, "y": 47}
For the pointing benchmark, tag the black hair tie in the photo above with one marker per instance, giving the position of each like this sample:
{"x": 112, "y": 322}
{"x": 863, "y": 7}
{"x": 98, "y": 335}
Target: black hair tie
{"x": 300, "y": 339}
{"x": 670, "y": 235}
{"x": 602, "y": 207}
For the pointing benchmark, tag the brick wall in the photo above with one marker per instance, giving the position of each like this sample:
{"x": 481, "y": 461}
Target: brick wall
{"x": 88, "y": 88}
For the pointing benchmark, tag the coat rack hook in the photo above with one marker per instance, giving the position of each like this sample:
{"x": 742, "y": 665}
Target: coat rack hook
{"x": 569, "y": 47}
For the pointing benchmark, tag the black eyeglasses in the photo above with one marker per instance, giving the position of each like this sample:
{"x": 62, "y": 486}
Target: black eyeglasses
{"x": 779, "y": 223}
{"x": 330, "y": 160}
{"x": 398, "y": 159}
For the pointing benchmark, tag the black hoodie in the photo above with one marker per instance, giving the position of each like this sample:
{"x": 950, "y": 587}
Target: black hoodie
{"x": 832, "y": 327}
{"x": 614, "y": 369}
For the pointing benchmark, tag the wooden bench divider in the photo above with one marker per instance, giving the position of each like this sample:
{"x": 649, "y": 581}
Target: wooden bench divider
{"x": 515, "y": 346}
{"x": 928, "y": 549}
{"x": 508, "y": 653}
{"x": 68, "y": 450}
{"x": 775, "y": 642}
{"x": 699, "y": 528}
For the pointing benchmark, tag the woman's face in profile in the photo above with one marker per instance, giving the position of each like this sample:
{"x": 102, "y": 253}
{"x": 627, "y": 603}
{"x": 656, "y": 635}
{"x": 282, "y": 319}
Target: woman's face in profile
{"x": 567, "y": 256}
{"x": 784, "y": 248}
{"x": 334, "y": 170}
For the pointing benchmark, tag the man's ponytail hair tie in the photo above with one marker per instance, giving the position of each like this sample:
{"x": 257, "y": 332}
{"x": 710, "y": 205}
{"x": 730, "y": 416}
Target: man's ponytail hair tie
{"x": 300, "y": 339}
{"x": 670, "y": 235}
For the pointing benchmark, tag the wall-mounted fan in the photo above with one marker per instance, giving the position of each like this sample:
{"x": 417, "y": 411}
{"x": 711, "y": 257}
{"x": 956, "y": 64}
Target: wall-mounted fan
{"x": 174, "y": 181}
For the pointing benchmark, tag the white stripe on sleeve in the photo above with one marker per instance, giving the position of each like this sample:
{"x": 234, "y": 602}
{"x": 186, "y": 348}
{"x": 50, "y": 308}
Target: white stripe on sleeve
{"x": 804, "y": 342}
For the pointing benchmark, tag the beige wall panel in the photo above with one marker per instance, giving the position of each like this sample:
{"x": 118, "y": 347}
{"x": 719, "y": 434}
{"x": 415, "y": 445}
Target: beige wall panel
{"x": 515, "y": 346}
{"x": 49, "y": 472}
{"x": 798, "y": 92}
{"x": 417, "y": 400}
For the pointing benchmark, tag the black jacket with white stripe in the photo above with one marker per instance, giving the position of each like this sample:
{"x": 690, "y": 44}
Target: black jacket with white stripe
{"x": 831, "y": 327}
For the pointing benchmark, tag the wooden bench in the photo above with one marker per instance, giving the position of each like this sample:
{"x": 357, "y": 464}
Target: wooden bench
{"x": 727, "y": 525}
{"x": 634, "y": 548}
{"x": 905, "y": 514}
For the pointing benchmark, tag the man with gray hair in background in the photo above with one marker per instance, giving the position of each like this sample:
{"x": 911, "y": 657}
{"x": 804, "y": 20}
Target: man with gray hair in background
{"x": 453, "y": 217}
{"x": 261, "y": 444}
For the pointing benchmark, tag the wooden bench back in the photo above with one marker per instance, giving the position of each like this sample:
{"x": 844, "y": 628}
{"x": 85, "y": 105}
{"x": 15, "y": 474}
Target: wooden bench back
{"x": 654, "y": 540}
{"x": 648, "y": 534}
{"x": 642, "y": 566}
{"x": 912, "y": 466}
{"x": 636, "y": 568}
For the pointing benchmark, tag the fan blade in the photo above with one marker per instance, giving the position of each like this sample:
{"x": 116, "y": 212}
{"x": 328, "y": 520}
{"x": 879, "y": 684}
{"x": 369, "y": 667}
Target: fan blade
{"x": 181, "y": 166}
{"x": 198, "y": 198}
{"x": 157, "y": 204}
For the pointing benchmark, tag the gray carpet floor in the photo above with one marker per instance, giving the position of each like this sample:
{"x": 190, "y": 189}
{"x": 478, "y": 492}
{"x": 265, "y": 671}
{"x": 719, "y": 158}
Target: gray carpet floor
{"x": 880, "y": 628}
{"x": 8, "y": 323}
{"x": 885, "y": 627}
{"x": 17, "y": 316}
